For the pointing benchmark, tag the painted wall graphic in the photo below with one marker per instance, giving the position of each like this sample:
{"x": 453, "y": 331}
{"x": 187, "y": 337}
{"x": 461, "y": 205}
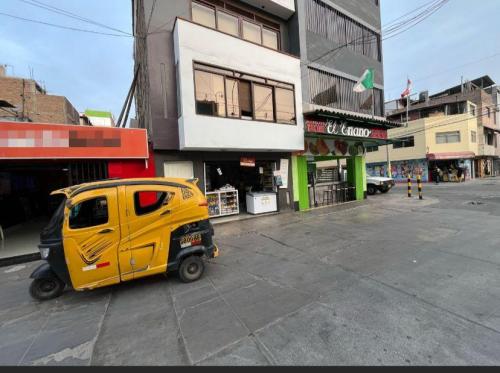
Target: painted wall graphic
{"x": 466, "y": 165}
{"x": 330, "y": 147}
{"x": 400, "y": 169}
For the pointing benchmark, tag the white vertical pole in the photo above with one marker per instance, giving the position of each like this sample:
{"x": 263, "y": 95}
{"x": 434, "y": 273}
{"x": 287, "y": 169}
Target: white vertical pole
{"x": 407, "y": 108}
{"x": 407, "y": 103}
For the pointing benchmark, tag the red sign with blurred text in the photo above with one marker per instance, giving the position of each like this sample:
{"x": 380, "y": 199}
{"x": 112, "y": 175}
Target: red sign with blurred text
{"x": 19, "y": 140}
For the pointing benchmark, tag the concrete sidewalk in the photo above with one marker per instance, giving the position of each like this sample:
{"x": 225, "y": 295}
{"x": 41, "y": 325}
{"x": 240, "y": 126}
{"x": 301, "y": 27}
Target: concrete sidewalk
{"x": 394, "y": 281}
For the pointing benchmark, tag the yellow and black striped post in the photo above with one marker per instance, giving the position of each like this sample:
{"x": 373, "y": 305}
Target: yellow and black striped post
{"x": 419, "y": 182}
{"x": 409, "y": 186}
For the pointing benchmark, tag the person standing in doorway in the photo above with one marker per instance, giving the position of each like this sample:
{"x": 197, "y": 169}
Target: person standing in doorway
{"x": 436, "y": 174}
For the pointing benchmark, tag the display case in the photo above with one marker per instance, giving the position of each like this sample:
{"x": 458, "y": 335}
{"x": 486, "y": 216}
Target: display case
{"x": 223, "y": 203}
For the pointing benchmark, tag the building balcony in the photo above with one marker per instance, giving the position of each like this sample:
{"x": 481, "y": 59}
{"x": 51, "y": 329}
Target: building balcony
{"x": 487, "y": 150}
{"x": 281, "y": 8}
{"x": 234, "y": 94}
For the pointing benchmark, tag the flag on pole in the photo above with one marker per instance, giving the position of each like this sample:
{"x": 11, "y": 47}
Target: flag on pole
{"x": 407, "y": 91}
{"x": 365, "y": 82}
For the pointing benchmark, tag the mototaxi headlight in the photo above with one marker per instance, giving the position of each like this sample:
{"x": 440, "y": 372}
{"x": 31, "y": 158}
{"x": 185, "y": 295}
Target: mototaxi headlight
{"x": 44, "y": 252}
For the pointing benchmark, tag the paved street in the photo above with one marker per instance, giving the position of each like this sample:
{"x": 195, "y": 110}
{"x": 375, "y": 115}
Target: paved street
{"x": 392, "y": 281}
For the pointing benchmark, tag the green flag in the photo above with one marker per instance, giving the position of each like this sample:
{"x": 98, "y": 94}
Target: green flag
{"x": 365, "y": 82}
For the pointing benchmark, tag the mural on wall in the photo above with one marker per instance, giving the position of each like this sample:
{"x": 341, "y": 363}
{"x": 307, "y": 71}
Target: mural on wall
{"x": 401, "y": 169}
{"x": 328, "y": 147}
{"x": 466, "y": 165}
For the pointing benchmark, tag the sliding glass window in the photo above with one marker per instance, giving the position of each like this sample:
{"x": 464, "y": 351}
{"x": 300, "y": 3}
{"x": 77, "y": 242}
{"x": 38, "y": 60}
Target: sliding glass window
{"x": 226, "y": 93}
{"x": 285, "y": 106}
{"x": 237, "y": 22}
{"x": 233, "y": 98}
{"x": 252, "y": 32}
{"x": 204, "y": 15}
{"x": 228, "y": 23}
{"x": 263, "y": 103}
{"x": 210, "y": 96}
{"x": 270, "y": 38}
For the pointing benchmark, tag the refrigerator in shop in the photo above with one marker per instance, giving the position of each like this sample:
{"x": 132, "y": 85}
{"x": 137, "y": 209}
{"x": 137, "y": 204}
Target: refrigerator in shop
{"x": 261, "y": 202}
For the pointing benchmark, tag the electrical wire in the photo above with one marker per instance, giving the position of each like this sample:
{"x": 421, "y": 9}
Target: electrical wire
{"x": 443, "y": 123}
{"x": 450, "y": 69}
{"x": 62, "y": 27}
{"x": 66, "y": 13}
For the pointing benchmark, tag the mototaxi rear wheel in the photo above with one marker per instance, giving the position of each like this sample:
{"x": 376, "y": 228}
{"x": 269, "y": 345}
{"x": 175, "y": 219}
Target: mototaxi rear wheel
{"x": 191, "y": 269}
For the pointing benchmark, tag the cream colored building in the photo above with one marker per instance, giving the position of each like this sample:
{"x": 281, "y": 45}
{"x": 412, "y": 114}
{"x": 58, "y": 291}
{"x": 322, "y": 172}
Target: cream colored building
{"x": 439, "y": 139}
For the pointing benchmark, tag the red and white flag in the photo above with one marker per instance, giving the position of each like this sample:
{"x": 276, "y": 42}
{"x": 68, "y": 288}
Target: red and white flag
{"x": 407, "y": 91}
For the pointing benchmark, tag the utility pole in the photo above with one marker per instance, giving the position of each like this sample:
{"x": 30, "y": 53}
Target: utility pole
{"x": 389, "y": 172}
{"x": 407, "y": 103}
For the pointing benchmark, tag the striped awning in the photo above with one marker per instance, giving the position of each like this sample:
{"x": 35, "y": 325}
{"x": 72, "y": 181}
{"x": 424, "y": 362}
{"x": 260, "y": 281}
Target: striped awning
{"x": 450, "y": 155}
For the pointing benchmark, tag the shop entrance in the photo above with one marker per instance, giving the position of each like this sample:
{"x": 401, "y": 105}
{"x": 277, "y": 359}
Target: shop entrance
{"x": 236, "y": 187}
{"x": 451, "y": 170}
{"x": 328, "y": 182}
{"x": 26, "y": 204}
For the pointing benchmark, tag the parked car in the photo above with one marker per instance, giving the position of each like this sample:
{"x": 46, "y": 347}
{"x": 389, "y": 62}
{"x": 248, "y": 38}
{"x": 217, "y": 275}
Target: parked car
{"x": 374, "y": 183}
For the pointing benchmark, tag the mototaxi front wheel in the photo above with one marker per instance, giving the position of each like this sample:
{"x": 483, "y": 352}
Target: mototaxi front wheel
{"x": 46, "y": 288}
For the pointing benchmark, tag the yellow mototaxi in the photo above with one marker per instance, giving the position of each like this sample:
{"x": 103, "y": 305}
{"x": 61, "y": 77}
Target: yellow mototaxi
{"x": 108, "y": 232}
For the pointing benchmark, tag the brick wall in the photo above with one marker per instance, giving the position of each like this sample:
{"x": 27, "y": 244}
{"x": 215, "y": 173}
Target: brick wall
{"x": 35, "y": 105}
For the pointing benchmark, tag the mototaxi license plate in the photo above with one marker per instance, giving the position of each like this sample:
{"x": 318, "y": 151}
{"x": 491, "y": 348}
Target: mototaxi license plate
{"x": 190, "y": 240}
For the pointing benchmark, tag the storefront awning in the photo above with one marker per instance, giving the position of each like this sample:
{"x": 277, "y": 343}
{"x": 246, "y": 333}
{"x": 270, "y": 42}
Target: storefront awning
{"x": 450, "y": 155}
{"x": 360, "y": 119}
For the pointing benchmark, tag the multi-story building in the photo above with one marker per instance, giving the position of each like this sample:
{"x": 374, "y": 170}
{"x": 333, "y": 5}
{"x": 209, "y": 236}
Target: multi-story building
{"x": 220, "y": 92}
{"x": 495, "y": 95}
{"x": 478, "y": 99}
{"x": 225, "y": 88}
{"x": 338, "y": 40}
{"x": 450, "y": 142}
{"x": 29, "y": 102}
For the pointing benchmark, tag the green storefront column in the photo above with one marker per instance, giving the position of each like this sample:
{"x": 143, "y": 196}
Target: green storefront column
{"x": 356, "y": 175}
{"x": 300, "y": 184}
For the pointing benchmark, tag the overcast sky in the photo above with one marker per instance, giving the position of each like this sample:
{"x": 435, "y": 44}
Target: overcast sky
{"x": 95, "y": 71}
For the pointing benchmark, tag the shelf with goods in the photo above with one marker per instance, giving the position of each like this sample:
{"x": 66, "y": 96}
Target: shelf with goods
{"x": 223, "y": 203}
{"x": 267, "y": 178}
{"x": 213, "y": 200}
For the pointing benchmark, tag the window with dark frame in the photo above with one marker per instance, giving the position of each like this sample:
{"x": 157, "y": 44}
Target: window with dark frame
{"x": 263, "y": 103}
{"x": 237, "y": 22}
{"x": 245, "y": 96}
{"x": 404, "y": 142}
{"x": 448, "y": 137}
{"x": 210, "y": 96}
{"x": 203, "y": 14}
{"x": 226, "y": 93}
{"x": 90, "y": 213}
{"x": 372, "y": 148}
{"x": 146, "y": 202}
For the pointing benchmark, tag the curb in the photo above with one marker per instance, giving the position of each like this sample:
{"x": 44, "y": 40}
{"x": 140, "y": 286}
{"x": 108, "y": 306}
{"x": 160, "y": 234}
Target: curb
{"x": 27, "y": 258}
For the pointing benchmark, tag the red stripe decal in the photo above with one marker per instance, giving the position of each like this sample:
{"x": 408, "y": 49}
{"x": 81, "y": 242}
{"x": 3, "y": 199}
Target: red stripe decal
{"x": 100, "y": 265}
